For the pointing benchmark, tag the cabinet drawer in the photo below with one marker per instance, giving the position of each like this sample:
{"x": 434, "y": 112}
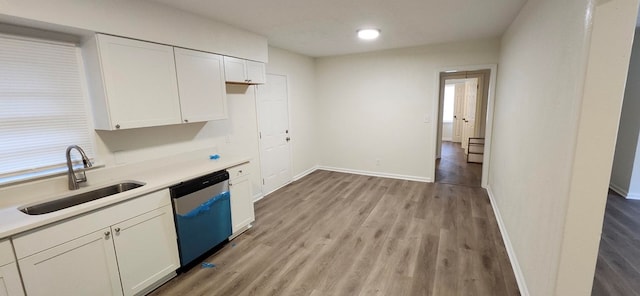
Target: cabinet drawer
{"x": 238, "y": 171}
{"x": 6, "y": 253}
{"x": 49, "y": 236}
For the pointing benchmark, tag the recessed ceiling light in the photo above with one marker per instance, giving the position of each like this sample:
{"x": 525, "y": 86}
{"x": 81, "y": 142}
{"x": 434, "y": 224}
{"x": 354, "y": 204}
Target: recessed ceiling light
{"x": 368, "y": 34}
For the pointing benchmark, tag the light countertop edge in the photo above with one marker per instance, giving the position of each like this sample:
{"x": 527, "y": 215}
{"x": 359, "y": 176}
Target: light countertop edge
{"x": 14, "y": 222}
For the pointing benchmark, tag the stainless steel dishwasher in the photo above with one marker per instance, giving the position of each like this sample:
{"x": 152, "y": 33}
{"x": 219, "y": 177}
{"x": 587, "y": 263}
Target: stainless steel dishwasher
{"x": 202, "y": 211}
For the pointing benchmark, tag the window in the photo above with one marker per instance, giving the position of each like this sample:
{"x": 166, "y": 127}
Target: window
{"x": 42, "y": 106}
{"x": 447, "y": 108}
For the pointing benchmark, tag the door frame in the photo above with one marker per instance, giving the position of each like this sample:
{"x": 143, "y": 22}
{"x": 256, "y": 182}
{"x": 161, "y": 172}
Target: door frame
{"x": 435, "y": 113}
{"x": 289, "y": 122}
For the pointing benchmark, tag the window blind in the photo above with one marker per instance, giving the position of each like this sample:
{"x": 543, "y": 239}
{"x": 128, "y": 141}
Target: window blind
{"x": 42, "y": 106}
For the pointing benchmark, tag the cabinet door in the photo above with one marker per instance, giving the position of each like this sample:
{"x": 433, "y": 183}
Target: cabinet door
{"x": 256, "y": 72}
{"x": 83, "y": 266}
{"x": 203, "y": 96}
{"x": 235, "y": 70}
{"x": 242, "y": 213}
{"x": 10, "y": 284}
{"x": 140, "y": 82}
{"x": 147, "y": 249}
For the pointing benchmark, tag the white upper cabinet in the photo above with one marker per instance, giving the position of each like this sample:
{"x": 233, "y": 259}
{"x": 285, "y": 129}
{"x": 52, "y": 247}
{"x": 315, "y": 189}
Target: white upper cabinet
{"x": 256, "y": 72}
{"x": 133, "y": 83}
{"x": 201, "y": 85}
{"x": 235, "y": 70}
{"x": 243, "y": 71}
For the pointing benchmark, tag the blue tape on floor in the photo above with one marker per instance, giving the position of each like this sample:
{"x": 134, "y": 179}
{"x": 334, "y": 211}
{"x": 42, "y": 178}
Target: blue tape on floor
{"x": 208, "y": 265}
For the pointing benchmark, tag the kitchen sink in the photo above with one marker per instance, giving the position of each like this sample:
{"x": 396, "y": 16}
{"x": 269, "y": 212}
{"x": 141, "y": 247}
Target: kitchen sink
{"x": 80, "y": 198}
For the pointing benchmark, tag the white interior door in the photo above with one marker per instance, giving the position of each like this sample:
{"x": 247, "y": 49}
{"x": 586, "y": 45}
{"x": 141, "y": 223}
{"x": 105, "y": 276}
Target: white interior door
{"x": 458, "y": 109}
{"x": 470, "y": 94}
{"x": 273, "y": 128}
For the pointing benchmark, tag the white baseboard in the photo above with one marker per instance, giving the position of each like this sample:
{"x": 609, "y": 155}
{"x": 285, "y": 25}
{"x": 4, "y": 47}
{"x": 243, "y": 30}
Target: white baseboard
{"x": 376, "y": 174}
{"x": 624, "y": 193}
{"x": 258, "y": 196}
{"x": 522, "y": 285}
{"x": 305, "y": 173}
{"x": 618, "y": 190}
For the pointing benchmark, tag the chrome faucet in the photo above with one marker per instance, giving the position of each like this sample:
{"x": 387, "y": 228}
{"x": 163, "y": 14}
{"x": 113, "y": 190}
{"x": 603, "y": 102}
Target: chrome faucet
{"x": 75, "y": 180}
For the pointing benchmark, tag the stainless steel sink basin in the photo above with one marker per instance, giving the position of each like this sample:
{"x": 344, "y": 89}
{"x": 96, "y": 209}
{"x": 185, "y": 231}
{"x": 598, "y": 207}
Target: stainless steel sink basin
{"x": 73, "y": 200}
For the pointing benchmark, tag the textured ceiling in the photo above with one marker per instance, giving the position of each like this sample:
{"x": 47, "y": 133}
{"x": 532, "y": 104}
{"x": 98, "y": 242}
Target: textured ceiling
{"x": 328, "y": 27}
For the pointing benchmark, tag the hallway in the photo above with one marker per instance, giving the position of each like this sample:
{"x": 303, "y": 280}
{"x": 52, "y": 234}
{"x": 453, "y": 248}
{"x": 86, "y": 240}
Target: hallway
{"x": 452, "y": 167}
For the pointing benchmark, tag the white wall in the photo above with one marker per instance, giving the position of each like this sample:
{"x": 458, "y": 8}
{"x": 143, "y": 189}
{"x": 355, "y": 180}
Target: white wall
{"x": 625, "y": 176}
{"x": 144, "y": 20}
{"x": 374, "y": 106}
{"x": 300, "y": 72}
{"x": 554, "y": 130}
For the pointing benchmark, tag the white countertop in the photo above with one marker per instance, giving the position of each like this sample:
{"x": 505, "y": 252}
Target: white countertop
{"x": 13, "y": 221}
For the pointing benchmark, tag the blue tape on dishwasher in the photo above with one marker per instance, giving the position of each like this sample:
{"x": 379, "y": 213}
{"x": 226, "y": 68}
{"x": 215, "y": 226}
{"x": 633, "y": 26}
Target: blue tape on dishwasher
{"x": 206, "y": 206}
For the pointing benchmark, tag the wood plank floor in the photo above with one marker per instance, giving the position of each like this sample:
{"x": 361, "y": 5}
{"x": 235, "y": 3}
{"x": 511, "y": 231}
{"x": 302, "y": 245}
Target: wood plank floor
{"x": 341, "y": 234}
{"x": 452, "y": 167}
{"x": 618, "y": 266}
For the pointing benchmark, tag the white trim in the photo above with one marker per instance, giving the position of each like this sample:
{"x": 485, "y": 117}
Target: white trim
{"x": 241, "y": 231}
{"x": 257, "y": 197}
{"x": 618, "y": 190}
{"x": 377, "y": 174}
{"x": 289, "y": 124}
{"x": 488, "y": 123}
{"x": 296, "y": 178}
{"x": 305, "y": 173}
{"x": 276, "y": 189}
{"x": 517, "y": 270}
{"x": 633, "y": 196}
{"x": 624, "y": 193}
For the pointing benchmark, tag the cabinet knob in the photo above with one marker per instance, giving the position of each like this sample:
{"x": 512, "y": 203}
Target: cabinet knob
{"x": 117, "y": 126}
{"x": 117, "y": 230}
{"x": 239, "y": 171}
{"x": 107, "y": 234}
{"x": 186, "y": 120}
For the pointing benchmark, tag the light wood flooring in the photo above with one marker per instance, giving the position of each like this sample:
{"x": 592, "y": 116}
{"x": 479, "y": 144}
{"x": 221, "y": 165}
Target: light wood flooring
{"x": 341, "y": 234}
{"x": 452, "y": 167}
{"x": 618, "y": 266}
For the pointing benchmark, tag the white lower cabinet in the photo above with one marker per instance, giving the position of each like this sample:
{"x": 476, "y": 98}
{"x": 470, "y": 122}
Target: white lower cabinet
{"x": 134, "y": 249}
{"x": 83, "y": 266}
{"x": 10, "y": 284}
{"x": 146, "y": 248}
{"x": 242, "y": 212}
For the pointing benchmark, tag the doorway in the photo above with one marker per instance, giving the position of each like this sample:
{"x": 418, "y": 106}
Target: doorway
{"x": 274, "y": 133}
{"x": 463, "y": 101}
